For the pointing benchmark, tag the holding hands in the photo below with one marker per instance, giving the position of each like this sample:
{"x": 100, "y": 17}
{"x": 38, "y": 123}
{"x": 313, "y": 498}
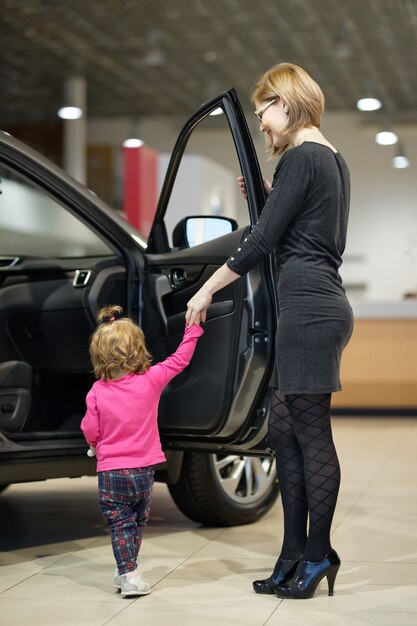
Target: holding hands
{"x": 197, "y": 307}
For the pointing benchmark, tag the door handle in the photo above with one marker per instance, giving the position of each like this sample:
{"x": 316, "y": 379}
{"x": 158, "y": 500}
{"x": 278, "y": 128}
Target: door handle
{"x": 178, "y": 277}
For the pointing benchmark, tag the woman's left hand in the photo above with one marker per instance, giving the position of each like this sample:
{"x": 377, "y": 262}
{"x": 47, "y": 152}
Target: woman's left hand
{"x": 197, "y": 307}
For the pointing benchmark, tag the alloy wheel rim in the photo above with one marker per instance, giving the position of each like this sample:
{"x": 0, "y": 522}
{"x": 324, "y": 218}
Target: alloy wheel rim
{"x": 244, "y": 479}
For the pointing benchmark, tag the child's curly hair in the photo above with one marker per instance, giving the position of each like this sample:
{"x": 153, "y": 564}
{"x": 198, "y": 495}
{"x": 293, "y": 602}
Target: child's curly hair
{"x": 118, "y": 346}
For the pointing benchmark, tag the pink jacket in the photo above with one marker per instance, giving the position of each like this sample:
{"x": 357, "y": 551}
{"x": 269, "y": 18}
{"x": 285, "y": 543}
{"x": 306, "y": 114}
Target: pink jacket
{"x": 121, "y": 418}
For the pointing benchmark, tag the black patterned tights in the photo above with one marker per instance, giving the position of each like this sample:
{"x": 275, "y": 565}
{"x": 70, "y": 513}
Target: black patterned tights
{"x": 308, "y": 471}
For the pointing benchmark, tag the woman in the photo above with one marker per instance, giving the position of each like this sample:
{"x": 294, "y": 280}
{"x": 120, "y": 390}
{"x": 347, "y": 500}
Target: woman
{"x": 304, "y": 223}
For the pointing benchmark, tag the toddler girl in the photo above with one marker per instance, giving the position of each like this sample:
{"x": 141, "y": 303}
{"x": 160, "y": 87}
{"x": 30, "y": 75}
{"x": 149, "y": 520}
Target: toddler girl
{"x": 121, "y": 424}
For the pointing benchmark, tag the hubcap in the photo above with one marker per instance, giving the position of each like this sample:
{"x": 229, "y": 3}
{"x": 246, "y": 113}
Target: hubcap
{"x": 244, "y": 479}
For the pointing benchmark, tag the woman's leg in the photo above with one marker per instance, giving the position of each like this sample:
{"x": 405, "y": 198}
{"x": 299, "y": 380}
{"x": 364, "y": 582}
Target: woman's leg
{"x": 311, "y": 422}
{"x": 289, "y": 459}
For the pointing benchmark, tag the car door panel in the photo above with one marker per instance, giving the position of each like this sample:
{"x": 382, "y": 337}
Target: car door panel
{"x": 171, "y": 298}
{"x": 225, "y": 372}
{"x": 46, "y": 319}
{"x": 171, "y": 301}
{"x": 218, "y": 397}
{"x": 194, "y": 401}
{"x": 175, "y": 323}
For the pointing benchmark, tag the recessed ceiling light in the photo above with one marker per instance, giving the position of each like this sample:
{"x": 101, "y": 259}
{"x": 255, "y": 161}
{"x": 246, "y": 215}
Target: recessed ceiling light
{"x": 386, "y": 138}
{"x": 133, "y": 142}
{"x": 400, "y": 162}
{"x": 369, "y": 104}
{"x": 70, "y": 113}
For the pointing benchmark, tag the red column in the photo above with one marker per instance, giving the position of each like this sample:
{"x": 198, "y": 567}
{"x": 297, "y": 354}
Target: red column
{"x": 140, "y": 187}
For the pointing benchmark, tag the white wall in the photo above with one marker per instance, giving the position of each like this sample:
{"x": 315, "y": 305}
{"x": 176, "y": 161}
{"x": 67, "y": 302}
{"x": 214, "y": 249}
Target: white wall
{"x": 382, "y": 238}
{"x": 199, "y": 181}
{"x": 381, "y": 252}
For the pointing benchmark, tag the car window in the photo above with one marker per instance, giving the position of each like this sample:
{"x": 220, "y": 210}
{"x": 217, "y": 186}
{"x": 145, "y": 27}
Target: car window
{"x": 206, "y": 183}
{"x": 32, "y": 223}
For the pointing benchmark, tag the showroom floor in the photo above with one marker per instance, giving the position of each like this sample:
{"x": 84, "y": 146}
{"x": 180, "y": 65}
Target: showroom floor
{"x": 56, "y": 561}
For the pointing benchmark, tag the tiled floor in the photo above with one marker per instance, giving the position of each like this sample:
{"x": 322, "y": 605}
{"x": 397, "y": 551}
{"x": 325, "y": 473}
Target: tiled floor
{"x": 56, "y": 563}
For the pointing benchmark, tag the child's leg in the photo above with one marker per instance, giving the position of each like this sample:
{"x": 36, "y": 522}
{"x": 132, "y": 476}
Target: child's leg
{"x": 143, "y": 480}
{"x": 118, "y": 506}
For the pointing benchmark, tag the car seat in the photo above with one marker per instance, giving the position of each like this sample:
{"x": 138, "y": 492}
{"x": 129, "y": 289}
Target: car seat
{"x": 15, "y": 395}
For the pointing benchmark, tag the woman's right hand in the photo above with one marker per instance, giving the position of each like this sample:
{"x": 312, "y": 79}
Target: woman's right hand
{"x": 242, "y": 185}
{"x": 197, "y": 307}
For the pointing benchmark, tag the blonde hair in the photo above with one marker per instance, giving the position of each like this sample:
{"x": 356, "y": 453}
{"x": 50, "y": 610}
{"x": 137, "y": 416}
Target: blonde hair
{"x": 298, "y": 91}
{"x": 118, "y": 346}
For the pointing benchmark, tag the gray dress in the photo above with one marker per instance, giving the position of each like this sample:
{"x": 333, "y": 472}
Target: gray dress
{"x": 304, "y": 223}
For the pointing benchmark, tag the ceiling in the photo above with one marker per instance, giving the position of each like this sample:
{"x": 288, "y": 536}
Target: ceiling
{"x": 165, "y": 57}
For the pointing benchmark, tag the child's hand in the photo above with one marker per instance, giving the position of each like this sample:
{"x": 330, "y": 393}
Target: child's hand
{"x": 91, "y": 451}
{"x": 197, "y": 321}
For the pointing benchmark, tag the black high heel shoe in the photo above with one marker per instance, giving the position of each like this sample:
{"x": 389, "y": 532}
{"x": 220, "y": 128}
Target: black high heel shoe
{"x": 284, "y": 570}
{"x": 307, "y": 577}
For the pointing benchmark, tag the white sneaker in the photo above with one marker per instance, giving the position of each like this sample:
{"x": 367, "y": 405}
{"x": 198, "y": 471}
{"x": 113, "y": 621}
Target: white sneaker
{"x": 134, "y": 585}
{"x": 117, "y": 579}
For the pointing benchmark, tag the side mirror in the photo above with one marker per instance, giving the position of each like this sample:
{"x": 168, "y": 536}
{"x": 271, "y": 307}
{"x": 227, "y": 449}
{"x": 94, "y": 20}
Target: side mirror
{"x": 192, "y": 231}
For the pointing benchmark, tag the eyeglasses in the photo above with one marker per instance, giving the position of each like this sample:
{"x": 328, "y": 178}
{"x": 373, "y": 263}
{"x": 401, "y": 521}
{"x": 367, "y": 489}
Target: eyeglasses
{"x": 259, "y": 112}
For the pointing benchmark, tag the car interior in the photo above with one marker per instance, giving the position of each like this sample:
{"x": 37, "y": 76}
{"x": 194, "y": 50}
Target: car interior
{"x": 49, "y": 295}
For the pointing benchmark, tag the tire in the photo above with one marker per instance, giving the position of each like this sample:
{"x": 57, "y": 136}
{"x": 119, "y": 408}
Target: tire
{"x": 3, "y": 487}
{"x": 225, "y": 490}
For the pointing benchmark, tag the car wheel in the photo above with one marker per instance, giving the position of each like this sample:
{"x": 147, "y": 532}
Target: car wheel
{"x": 225, "y": 490}
{"x": 3, "y": 487}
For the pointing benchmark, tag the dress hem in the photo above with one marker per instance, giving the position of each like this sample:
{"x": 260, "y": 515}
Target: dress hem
{"x": 286, "y": 392}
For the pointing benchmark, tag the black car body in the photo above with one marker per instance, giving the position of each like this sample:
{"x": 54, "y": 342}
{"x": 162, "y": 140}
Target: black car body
{"x": 213, "y": 417}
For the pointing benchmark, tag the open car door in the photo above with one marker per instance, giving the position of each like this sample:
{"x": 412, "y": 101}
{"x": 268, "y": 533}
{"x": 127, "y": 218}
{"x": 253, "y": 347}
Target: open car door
{"x": 220, "y": 402}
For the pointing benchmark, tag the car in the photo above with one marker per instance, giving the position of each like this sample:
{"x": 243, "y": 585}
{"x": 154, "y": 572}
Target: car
{"x": 64, "y": 255}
